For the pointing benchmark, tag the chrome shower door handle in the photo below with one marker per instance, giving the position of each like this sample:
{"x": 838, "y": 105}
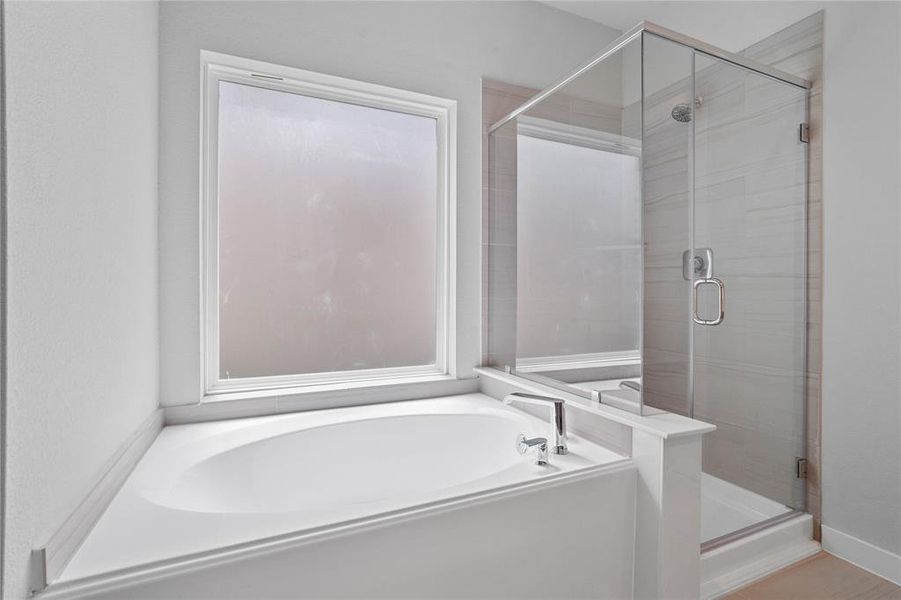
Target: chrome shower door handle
{"x": 721, "y": 301}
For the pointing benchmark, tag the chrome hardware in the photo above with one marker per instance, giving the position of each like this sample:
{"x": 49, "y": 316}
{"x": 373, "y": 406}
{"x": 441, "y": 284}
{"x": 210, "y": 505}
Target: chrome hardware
{"x": 632, "y": 385}
{"x": 558, "y": 415}
{"x": 721, "y": 301}
{"x": 523, "y": 444}
{"x": 38, "y": 571}
{"x": 801, "y": 468}
{"x": 699, "y": 265}
{"x": 804, "y": 133}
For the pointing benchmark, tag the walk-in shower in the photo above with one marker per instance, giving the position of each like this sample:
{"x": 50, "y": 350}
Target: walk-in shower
{"x": 646, "y": 248}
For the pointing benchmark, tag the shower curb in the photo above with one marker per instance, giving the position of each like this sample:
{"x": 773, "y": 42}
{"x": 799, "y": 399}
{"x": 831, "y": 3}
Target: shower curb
{"x": 759, "y": 555}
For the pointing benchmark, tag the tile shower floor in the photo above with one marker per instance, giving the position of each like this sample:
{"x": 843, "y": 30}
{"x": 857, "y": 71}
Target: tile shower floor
{"x": 726, "y": 507}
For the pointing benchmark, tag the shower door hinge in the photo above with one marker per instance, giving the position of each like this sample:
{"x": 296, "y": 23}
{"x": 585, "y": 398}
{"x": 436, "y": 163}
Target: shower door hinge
{"x": 38, "y": 570}
{"x": 804, "y": 133}
{"x": 801, "y": 471}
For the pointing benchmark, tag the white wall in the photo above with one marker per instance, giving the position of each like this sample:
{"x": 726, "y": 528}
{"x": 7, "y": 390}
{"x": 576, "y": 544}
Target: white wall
{"x": 861, "y": 418}
{"x": 732, "y": 25}
{"x": 861, "y": 302}
{"x": 82, "y": 244}
{"x": 439, "y": 48}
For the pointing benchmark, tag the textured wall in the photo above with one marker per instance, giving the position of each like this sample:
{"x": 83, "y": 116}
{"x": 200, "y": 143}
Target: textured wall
{"x": 82, "y": 300}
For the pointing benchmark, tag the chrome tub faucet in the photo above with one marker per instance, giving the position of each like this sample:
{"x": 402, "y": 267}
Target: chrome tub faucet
{"x": 523, "y": 445}
{"x": 558, "y": 415}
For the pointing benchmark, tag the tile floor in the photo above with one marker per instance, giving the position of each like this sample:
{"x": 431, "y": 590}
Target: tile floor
{"x": 820, "y": 577}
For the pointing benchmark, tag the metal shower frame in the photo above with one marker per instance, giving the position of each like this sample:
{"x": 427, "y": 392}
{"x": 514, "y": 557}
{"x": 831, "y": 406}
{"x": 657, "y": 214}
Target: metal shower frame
{"x": 668, "y": 34}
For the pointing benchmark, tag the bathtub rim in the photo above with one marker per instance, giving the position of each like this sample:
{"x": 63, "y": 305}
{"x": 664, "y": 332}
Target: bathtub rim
{"x": 193, "y": 453}
{"x": 111, "y": 580}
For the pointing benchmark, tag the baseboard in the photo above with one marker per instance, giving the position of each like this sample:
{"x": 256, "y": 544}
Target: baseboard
{"x": 49, "y": 560}
{"x": 863, "y": 554}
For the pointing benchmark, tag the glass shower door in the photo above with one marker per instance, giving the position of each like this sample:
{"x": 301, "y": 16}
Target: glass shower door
{"x": 748, "y": 281}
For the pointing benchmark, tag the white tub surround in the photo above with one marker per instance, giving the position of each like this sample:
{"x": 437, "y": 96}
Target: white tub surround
{"x": 392, "y": 500}
{"x": 666, "y": 450}
{"x": 449, "y": 552}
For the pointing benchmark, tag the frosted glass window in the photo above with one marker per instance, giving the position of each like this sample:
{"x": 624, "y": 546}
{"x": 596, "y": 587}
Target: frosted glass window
{"x": 327, "y": 235}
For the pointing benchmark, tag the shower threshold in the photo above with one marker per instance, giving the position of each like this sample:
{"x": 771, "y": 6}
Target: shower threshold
{"x": 723, "y": 540}
{"x": 747, "y": 536}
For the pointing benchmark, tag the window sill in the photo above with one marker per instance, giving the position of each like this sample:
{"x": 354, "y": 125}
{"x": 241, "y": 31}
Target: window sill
{"x": 231, "y": 405}
{"x": 309, "y": 390}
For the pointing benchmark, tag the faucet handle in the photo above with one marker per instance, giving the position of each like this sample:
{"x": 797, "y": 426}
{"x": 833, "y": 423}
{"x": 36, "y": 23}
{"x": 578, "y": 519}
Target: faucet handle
{"x": 523, "y": 444}
{"x": 558, "y": 415}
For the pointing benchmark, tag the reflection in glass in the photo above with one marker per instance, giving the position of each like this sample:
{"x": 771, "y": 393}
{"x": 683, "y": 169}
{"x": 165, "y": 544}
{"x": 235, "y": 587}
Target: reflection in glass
{"x": 579, "y": 239}
{"x": 578, "y": 224}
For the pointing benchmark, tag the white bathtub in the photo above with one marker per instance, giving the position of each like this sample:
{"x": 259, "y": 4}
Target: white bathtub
{"x": 341, "y": 503}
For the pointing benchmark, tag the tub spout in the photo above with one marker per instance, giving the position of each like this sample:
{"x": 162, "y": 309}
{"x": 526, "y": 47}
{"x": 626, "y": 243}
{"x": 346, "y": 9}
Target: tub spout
{"x": 558, "y": 415}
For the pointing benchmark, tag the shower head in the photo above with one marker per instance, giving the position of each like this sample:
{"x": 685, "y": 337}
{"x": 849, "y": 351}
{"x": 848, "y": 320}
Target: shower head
{"x": 682, "y": 111}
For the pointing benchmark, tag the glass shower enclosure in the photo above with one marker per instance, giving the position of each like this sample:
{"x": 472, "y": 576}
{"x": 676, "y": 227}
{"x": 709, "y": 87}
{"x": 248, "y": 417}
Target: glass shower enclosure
{"x": 647, "y": 249}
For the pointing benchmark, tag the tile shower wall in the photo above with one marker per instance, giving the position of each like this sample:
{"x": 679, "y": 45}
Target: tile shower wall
{"x": 798, "y": 49}
{"x": 749, "y": 194}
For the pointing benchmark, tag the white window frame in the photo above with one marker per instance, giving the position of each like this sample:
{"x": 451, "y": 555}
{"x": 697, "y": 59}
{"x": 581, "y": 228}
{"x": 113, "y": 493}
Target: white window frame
{"x": 216, "y": 67}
